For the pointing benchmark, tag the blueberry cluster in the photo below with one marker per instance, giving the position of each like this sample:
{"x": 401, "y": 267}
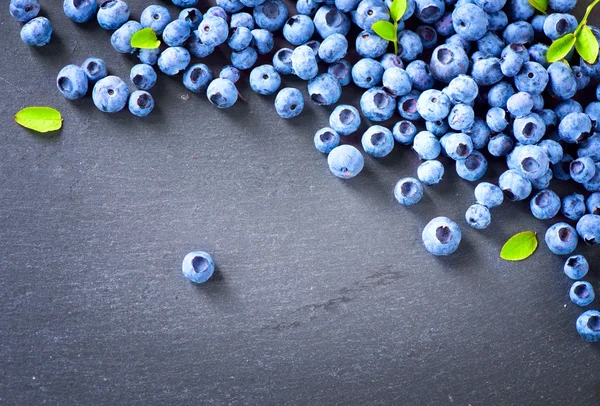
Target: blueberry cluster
{"x": 470, "y": 81}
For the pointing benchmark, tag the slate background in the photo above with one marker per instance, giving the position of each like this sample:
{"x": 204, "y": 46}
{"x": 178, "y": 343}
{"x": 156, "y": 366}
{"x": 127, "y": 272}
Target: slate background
{"x": 323, "y": 294}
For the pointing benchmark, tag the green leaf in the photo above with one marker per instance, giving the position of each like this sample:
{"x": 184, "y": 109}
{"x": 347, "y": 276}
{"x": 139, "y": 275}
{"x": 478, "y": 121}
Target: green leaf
{"x": 519, "y": 246}
{"x": 40, "y": 119}
{"x": 539, "y": 5}
{"x": 385, "y": 30}
{"x": 145, "y": 39}
{"x": 397, "y": 9}
{"x": 587, "y": 45}
{"x": 560, "y": 48}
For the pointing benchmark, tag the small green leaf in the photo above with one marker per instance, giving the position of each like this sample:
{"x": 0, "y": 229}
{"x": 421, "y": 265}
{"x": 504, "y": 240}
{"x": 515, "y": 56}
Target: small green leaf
{"x": 539, "y": 5}
{"x": 385, "y": 30}
{"x": 587, "y": 45}
{"x": 519, "y": 246}
{"x": 40, "y": 119}
{"x": 560, "y": 48}
{"x": 397, "y": 9}
{"x": 145, "y": 39}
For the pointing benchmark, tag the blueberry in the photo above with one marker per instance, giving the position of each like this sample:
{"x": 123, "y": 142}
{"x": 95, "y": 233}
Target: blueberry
{"x": 588, "y": 325}
{"x": 444, "y": 26}
{"x": 391, "y": 60}
{"x": 532, "y": 78}
{"x": 271, "y": 15}
{"x": 574, "y": 127}
{"x": 333, "y": 48}
{"x": 429, "y": 11}
{"x": 366, "y": 14}
{"x": 244, "y": 59}
{"x": 561, "y": 239}
{"x": 490, "y": 44}
{"x": 342, "y": 71}
{"x": 307, "y": 7}
{"x": 242, "y": 20}
{"x": 520, "y": 10}
{"x": 497, "y": 21}
{"x": 499, "y": 94}
{"x": 461, "y": 117}
{"x": 396, "y": 81}
{"x": 112, "y": 14}
{"x": 459, "y": 42}
{"x": 576, "y": 267}
{"x": 324, "y": 89}
{"x": 230, "y": 73}
{"x": 222, "y": 93}
{"x": 299, "y": 29}
{"x": 143, "y": 76}
{"x": 447, "y": 62}
{"x": 573, "y": 206}
{"x": 367, "y": 73}
{"x": 437, "y": 128}
{"x": 407, "y": 106}
{"x": 346, "y": 5}
{"x": 566, "y": 107}
{"x": 529, "y": 129}
{"x": 176, "y": 33}
{"x": 588, "y": 228}
{"x": 408, "y": 191}
{"x": 80, "y": 11}
{"x": 282, "y": 61}
{"x": 195, "y": 46}
{"x": 173, "y": 60}
{"x": 141, "y": 103}
{"x": 344, "y": 119}
{"x": 470, "y": 21}
{"x": 265, "y": 80}
{"x": 192, "y": 17}
{"x": 370, "y": 45}
{"x": 24, "y": 10}
{"x": 478, "y": 216}
{"x": 514, "y": 185}
{"x": 457, "y": 146}
{"x": 530, "y": 161}
{"x": 487, "y": 71}
{"x": 553, "y": 149}
{"x": 562, "y": 81}
{"x": 549, "y": 117}
{"x": 593, "y": 185}
{"x": 537, "y": 53}
{"x": 593, "y": 111}
{"x": 582, "y": 169}
{"x": 427, "y": 35}
{"x": 545, "y": 204}
{"x": 537, "y": 23}
{"x": 289, "y": 103}
{"x": 404, "y": 132}
{"x": 110, "y": 94}
{"x": 377, "y": 105}
{"x": 304, "y": 62}
{"x": 37, "y": 32}
{"x": 409, "y": 45}
{"x": 72, "y": 82}
{"x": 217, "y": 11}
{"x": 95, "y": 69}
{"x": 491, "y": 6}
{"x": 489, "y": 195}
{"x": 121, "y": 38}
{"x": 149, "y": 56}
{"x": 230, "y": 6}
{"x": 497, "y": 119}
{"x": 430, "y": 172}
{"x": 433, "y": 105}
{"x": 462, "y": 89}
{"x": 520, "y": 104}
{"x": 593, "y": 203}
{"x": 519, "y": 32}
{"x": 213, "y": 31}
{"x": 198, "y": 266}
{"x": 420, "y": 75}
{"x": 581, "y": 293}
{"x": 155, "y": 17}
{"x": 345, "y": 161}
{"x": 239, "y": 39}
{"x": 558, "y": 25}
{"x": 500, "y": 144}
{"x": 441, "y": 236}
{"x": 197, "y": 78}
{"x": 426, "y": 145}
{"x": 377, "y": 141}
{"x": 326, "y": 139}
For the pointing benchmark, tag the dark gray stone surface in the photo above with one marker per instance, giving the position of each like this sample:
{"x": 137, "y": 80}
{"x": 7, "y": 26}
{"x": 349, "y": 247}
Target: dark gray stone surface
{"x": 324, "y": 294}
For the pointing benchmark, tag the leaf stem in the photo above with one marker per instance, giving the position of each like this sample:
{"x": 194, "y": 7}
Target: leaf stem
{"x": 396, "y": 36}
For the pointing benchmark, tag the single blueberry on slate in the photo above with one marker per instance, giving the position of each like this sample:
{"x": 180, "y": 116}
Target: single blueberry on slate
{"x": 588, "y": 325}
{"x": 141, "y": 103}
{"x": 24, "y": 10}
{"x": 408, "y": 191}
{"x": 110, "y": 94}
{"x": 345, "y": 161}
{"x": 289, "y": 103}
{"x": 582, "y": 293}
{"x": 441, "y": 236}
{"x": 222, "y": 93}
{"x": 588, "y": 228}
{"x": 344, "y": 119}
{"x": 478, "y": 216}
{"x": 377, "y": 141}
{"x": 198, "y": 266}
{"x": 37, "y": 32}
{"x": 72, "y": 82}
{"x": 545, "y": 205}
{"x": 197, "y": 78}
{"x": 326, "y": 139}
{"x": 576, "y": 267}
{"x": 561, "y": 239}
{"x": 430, "y": 172}
{"x": 95, "y": 69}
